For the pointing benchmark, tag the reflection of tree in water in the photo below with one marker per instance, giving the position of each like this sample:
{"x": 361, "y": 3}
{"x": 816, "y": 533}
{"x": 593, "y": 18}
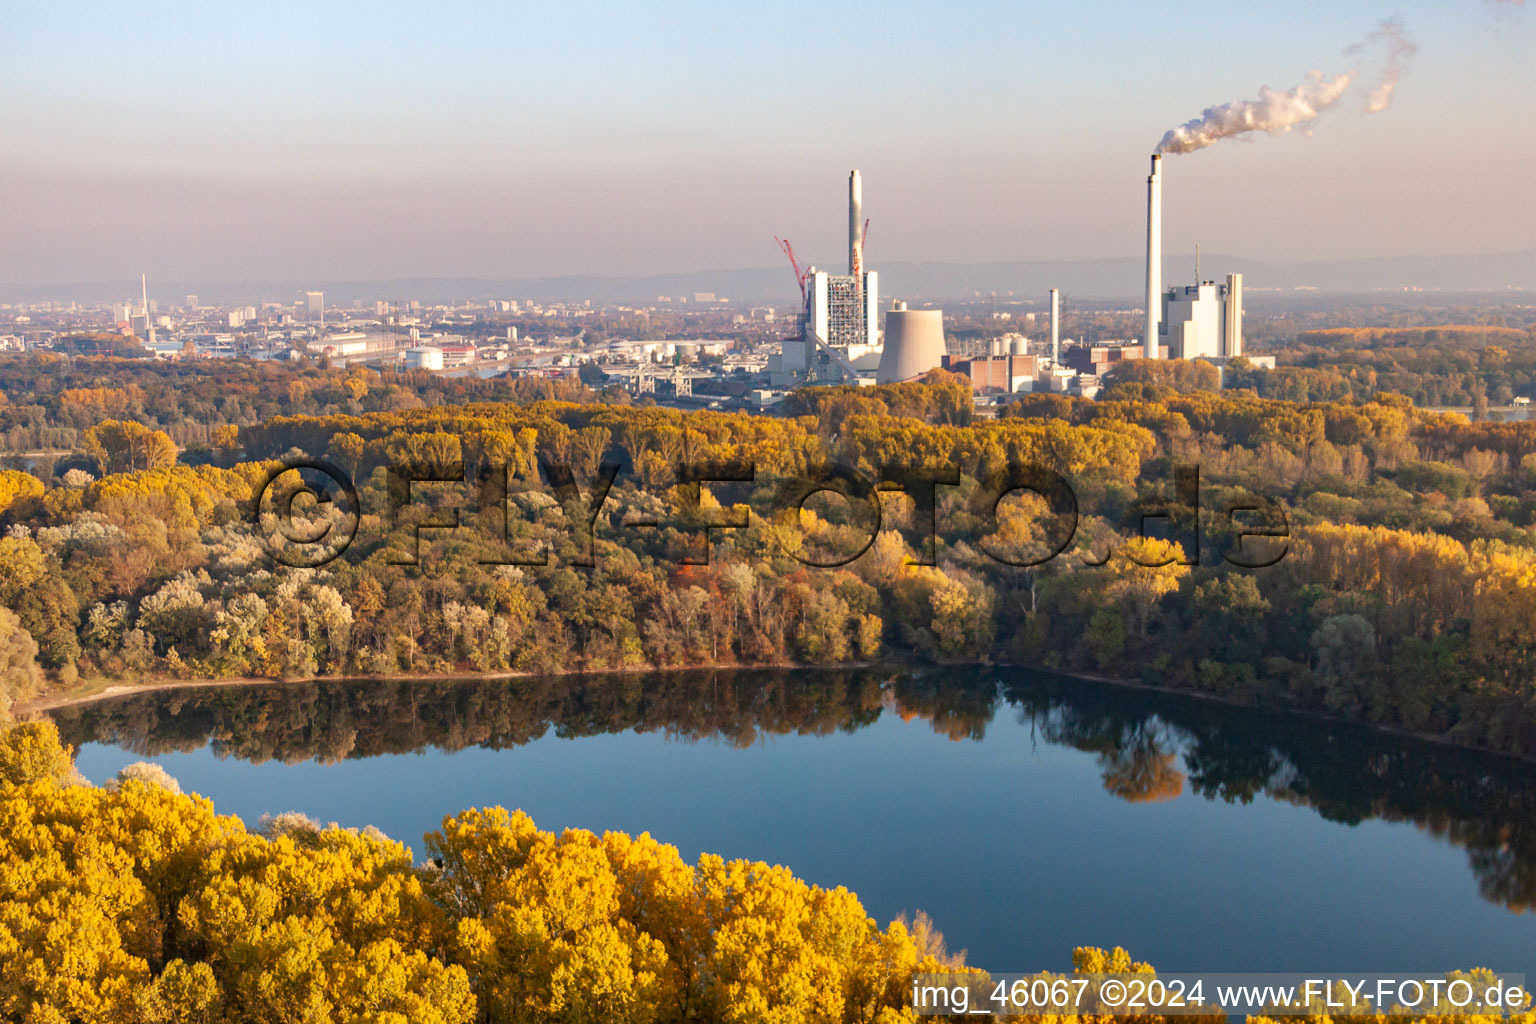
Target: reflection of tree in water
{"x": 1142, "y": 774}
{"x": 958, "y": 704}
{"x": 329, "y": 722}
{"x": 1137, "y": 755}
{"x": 1346, "y": 774}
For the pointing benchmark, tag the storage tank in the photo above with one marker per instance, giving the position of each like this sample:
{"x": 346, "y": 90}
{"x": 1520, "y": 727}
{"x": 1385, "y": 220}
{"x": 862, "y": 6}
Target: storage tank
{"x": 914, "y": 343}
{"x": 424, "y": 357}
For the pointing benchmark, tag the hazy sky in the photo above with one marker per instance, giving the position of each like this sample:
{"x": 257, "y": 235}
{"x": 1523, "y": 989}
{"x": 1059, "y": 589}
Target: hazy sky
{"x": 205, "y": 141}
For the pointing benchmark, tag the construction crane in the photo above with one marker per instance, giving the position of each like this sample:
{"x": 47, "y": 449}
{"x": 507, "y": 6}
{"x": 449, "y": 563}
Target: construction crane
{"x": 858, "y": 268}
{"x": 800, "y": 275}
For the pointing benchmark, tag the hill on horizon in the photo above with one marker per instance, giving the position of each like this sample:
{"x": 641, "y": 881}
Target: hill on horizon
{"x": 1114, "y": 279}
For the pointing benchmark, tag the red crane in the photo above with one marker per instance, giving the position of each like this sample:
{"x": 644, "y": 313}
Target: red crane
{"x": 800, "y": 275}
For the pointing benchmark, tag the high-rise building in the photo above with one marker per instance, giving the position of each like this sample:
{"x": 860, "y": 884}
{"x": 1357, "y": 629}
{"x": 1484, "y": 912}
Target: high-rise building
{"x": 191, "y": 301}
{"x": 314, "y": 304}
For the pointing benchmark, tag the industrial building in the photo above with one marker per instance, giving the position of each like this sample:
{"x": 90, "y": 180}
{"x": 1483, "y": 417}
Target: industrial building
{"x": 1098, "y": 359}
{"x": 840, "y": 322}
{"x": 348, "y": 343}
{"x": 844, "y": 309}
{"x": 1199, "y": 321}
{"x": 1008, "y": 373}
{"x": 1203, "y": 320}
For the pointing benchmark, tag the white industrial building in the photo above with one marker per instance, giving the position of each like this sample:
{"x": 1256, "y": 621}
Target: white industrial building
{"x": 1203, "y": 321}
{"x": 349, "y": 343}
{"x": 844, "y": 309}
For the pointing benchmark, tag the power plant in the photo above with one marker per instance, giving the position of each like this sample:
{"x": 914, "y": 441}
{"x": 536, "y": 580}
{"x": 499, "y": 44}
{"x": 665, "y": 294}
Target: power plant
{"x": 836, "y": 338}
{"x": 838, "y": 331}
{"x": 1199, "y": 321}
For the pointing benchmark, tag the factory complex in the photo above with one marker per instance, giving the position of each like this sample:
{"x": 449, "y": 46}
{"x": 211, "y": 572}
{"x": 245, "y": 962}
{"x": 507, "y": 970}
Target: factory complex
{"x": 843, "y": 331}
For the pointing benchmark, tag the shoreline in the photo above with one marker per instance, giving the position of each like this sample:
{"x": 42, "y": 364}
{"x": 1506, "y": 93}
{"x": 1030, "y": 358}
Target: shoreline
{"x": 1315, "y": 715}
{"x": 79, "y": 697}
{"x": 40, "y": 706}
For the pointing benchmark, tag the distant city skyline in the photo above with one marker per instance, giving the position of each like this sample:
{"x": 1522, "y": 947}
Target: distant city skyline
{"x": 323, "y": 142}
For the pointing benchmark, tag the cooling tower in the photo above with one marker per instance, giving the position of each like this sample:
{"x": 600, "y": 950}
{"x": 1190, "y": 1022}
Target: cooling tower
{"x": 914, "y": 343}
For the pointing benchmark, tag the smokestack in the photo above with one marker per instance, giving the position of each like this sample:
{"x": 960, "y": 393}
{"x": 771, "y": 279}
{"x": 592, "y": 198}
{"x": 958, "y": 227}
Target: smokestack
{"x": 149, "y": 325}
{"x": 1234, "y": 311}
{"x": 1055, "y": 327}
{"x": 855, "y": 224}
{"x": 1154, "y": 257}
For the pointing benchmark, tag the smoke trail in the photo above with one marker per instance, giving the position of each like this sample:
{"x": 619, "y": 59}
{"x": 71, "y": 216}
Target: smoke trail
{"x": 1275, "y": 112}
{"x": 1400, "y": 50}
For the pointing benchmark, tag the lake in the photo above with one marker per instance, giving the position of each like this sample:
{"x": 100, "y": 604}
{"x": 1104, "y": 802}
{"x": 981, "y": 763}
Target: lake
{"x": 1026, "y": 813}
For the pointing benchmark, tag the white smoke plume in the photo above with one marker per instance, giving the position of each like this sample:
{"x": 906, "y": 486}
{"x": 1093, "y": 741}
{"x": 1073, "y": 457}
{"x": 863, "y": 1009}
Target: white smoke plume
{"x": 1275, "y": 112}
{"x": 1400, "y": 50}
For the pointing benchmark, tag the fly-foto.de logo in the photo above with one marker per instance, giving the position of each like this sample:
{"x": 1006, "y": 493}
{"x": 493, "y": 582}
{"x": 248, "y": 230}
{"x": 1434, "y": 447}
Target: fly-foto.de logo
{"x": 308, "y": 512}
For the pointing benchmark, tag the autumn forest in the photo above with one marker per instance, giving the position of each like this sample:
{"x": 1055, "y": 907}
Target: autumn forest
{"x": 1309, "y": 539}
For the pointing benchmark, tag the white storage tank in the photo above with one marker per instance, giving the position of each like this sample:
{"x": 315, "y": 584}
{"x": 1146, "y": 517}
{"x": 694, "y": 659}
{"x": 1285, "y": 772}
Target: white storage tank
{"x": 425, "y": 357}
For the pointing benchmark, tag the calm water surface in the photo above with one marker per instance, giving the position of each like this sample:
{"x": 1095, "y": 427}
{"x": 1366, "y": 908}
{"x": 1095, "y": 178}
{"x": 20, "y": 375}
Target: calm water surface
{"x": 1025, "y": 813}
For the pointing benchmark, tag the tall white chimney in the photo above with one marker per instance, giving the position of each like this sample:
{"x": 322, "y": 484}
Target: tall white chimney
{"x": 855, "y": 224}
{"x": 1055, "y": 327}
{"x": 149, "y": 323}
{"x": 1234, "y": 311}
{"x": 1154, "y": 257}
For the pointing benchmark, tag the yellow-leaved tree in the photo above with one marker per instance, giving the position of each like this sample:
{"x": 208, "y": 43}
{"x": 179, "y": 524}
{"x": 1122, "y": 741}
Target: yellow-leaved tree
{"x": 135, "y": 902}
